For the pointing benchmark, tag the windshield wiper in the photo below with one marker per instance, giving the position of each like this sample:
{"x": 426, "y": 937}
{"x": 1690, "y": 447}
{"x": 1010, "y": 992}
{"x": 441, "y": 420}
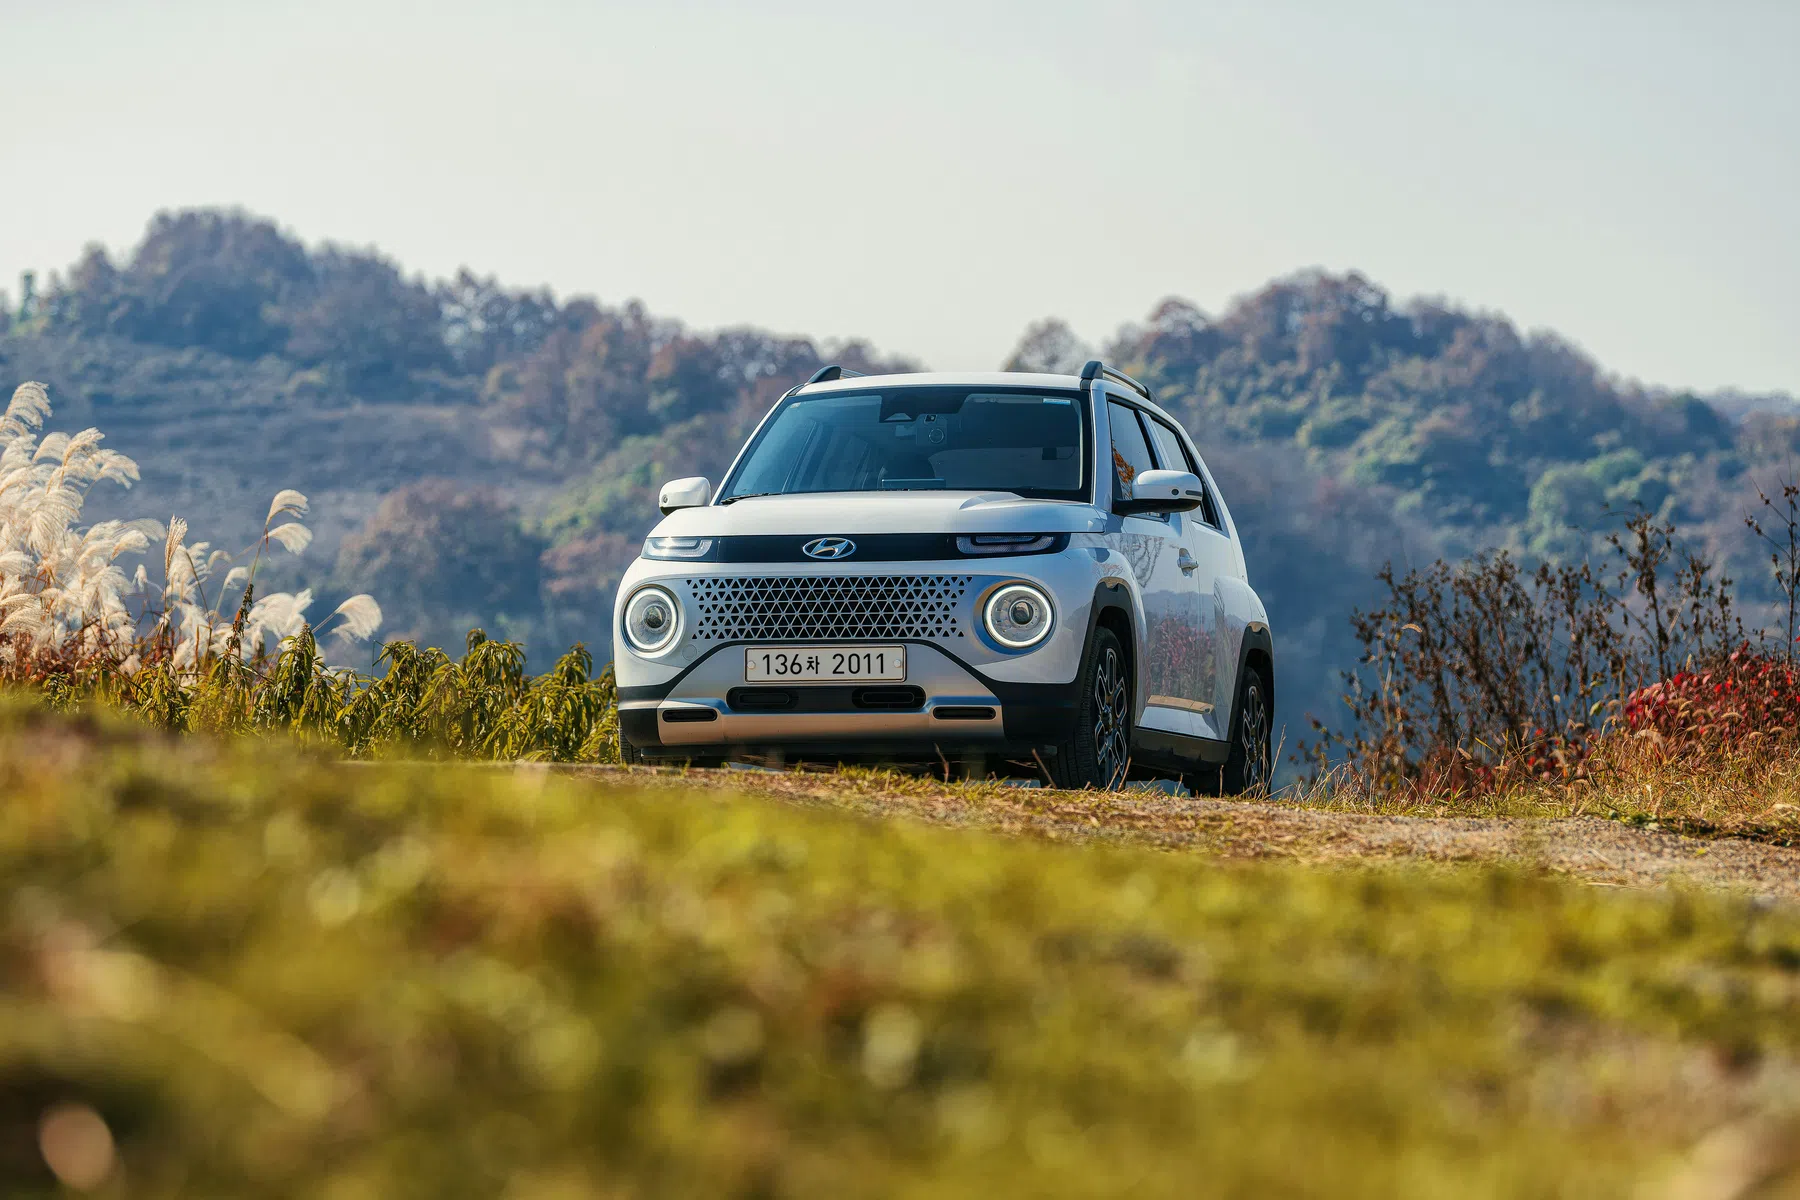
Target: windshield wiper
{"x": 748, "y": 496}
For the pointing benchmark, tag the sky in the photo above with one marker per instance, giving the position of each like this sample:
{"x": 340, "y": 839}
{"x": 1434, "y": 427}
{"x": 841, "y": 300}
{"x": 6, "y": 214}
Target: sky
{"x": 935, "y": 176}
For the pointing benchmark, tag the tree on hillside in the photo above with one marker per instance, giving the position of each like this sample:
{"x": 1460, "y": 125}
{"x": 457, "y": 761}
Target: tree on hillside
{"x": 212, "y": 279}
{"x": 1457, "y": 410}
{"x": 581, "y": 387}
{"x": 604, "y": 375}
{"x": 236, "y": 285}
{"x": 446, "y": 556}
{"x": 1050, "y": 347}
{"x": 359, "y": 316}
{"x": 484, "y": 324}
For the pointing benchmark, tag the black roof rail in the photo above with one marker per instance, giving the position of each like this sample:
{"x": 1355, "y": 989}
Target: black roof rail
{"x": 1096, "y": 368}
{"x": 826, "y": 374}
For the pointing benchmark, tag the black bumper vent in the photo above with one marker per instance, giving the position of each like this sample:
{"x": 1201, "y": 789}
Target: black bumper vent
{"x": 964, "y": 712}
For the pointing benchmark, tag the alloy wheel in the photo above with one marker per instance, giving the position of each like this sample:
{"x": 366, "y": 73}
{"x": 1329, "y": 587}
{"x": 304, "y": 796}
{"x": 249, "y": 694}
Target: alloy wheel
{"x": 1253, "y": 737}
{"x": 1111, "y": 719}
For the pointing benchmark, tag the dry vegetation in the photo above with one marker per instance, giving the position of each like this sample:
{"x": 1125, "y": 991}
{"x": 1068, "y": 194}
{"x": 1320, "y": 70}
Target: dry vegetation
{"x": 231, "y": 968}
{"x": 1546, "y": 833}
{"x": 195, "y": 650}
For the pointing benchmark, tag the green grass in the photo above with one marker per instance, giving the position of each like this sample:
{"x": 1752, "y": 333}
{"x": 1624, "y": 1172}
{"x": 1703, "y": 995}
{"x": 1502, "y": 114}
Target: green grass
{"x": 273, "y": 974}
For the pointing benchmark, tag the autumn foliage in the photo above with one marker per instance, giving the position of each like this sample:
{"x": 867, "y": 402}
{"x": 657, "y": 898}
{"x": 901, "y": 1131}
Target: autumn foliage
{"x": 1745, "y": 697}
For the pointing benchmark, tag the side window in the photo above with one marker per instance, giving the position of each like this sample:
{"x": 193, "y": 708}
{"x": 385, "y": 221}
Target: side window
{"x": 1130, "y": 453}
{"x": 1171, "y": 455}
{"x": 1174, "y": 456}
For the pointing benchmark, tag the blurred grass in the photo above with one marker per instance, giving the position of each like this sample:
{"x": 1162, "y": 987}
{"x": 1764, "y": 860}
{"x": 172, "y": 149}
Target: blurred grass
{"x": 271, "y": 974}
{"x": 1749, "y": 791}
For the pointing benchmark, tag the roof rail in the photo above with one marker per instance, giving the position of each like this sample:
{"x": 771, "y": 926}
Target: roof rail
{"x": 1096, "y": 368}
{"x": 828, "y": 373}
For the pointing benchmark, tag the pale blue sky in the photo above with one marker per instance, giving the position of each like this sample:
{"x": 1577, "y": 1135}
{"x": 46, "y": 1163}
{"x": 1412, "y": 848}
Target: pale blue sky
{"x": 933, "y": 176}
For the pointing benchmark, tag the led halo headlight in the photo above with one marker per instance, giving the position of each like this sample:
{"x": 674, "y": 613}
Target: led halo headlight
{"x": 652, "y": 619}
{"x": 1018, "y": 616}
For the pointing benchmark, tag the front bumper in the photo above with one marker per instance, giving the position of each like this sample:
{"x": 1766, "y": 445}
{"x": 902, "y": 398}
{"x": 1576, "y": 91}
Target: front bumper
{"x": 945, "y": 706}
{"x": 681, "y": 702}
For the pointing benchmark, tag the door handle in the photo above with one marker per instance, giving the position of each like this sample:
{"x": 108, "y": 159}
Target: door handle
{"x": 1186, "y": 562}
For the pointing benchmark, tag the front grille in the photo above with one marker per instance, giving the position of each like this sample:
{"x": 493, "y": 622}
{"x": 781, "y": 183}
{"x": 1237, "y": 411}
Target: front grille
{"x": 823, "y": 608}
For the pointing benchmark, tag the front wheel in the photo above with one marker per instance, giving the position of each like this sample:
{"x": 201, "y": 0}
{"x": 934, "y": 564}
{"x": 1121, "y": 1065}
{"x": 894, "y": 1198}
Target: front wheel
{"x": 1251, "y": 764}
{"x": 1099, "y": 752}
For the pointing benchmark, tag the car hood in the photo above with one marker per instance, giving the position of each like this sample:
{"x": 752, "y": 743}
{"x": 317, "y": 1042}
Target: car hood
{"x": 839, "y": 513}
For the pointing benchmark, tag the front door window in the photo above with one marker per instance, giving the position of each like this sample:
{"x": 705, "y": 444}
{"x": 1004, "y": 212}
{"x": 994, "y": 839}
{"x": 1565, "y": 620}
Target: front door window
{"x": 1181, "y": 629}
{"x": 1130, "y": 452}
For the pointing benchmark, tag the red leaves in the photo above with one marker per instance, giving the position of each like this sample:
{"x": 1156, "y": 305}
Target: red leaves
{"x": 1744, "y": 696}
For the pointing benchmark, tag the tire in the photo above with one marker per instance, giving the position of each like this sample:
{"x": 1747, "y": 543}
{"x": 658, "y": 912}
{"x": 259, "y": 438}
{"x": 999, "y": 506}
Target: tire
{"x": 1097, "y": 755}
{"x": 629, "y": 754}
{"x": 1251, "y": 765}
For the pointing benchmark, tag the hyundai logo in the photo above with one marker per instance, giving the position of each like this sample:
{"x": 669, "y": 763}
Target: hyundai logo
{"x": 829, "y": 547}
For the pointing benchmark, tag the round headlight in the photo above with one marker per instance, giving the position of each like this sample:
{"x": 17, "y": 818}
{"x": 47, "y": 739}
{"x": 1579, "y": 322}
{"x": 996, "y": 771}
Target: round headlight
{"x": 652, "y": 618}
{"x": 1017, "y": 616}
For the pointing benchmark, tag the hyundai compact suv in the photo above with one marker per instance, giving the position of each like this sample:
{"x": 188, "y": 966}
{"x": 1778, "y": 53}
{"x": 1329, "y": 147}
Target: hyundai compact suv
{"x": 968, "y": 569}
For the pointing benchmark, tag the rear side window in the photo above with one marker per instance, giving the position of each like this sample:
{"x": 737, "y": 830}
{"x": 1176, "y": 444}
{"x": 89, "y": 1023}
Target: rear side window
{"x": 1130, "y": 452}
{"x": 1173, "y": 454}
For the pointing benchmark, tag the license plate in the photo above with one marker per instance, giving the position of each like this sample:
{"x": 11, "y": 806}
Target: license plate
{"x": 824, "y": 664}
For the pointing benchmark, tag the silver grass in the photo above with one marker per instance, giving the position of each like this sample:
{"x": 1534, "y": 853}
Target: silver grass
{"x": 177, "y": 531}
{"x": 277, "y": 616}
{"x": 29, "y": 409}
{"x": 24, "y": 618}
{"x": 63, "y": 586}
{"x": 51, "y": 448}
{"x": 292, "y": 537}
{"x": 287, "y": 500}
{"x": 362, "y": 617}
{"x": 81, "y": 446}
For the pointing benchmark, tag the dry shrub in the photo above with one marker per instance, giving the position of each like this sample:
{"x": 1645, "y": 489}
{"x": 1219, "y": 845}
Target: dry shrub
{"x": 1729, "y": 704}
{"x": 1481, "y": 674}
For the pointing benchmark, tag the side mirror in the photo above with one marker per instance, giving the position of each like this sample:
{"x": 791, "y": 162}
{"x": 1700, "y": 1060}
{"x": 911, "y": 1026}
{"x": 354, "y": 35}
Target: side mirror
{"x": 691, "y": 492}
{"x": 1164, "y": 492}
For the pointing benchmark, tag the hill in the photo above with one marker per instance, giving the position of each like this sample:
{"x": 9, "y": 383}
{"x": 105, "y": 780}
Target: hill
{"x": 478, "y": 454}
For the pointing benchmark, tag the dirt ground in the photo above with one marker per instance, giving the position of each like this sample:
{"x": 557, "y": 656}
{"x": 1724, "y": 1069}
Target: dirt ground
{"x": 1600, "y": 852}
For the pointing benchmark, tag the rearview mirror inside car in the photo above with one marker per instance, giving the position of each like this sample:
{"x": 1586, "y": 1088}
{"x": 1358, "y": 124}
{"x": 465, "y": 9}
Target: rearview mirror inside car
{"x": 691, "y": 492}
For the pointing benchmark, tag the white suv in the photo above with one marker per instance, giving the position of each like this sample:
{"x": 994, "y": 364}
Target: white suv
{"x": 976, "y": 569}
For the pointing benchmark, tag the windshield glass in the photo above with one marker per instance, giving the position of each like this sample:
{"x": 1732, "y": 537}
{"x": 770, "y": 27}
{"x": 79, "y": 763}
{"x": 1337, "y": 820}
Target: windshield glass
{"x": 921, "y": 438}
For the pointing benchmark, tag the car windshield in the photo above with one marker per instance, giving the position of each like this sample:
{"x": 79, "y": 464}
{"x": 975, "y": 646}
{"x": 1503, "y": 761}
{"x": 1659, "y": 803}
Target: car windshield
{"x": 920, "y": 438}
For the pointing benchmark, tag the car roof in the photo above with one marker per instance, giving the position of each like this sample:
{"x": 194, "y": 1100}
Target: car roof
{"x": 856, "y": 383}
{"x": 1017, "y": 379}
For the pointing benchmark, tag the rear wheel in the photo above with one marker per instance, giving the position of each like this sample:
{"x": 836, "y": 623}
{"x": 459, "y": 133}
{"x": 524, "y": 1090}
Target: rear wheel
{"x": 1098, "y": 753}
{"x": 1251, "y": 764}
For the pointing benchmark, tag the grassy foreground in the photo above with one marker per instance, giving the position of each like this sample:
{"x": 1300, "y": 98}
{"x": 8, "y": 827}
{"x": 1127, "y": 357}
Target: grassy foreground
{"x": 230, "y": 969}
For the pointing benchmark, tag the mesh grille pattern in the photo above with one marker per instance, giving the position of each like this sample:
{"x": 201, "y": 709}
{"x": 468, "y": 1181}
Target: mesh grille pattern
{"x": 810, "y": 608}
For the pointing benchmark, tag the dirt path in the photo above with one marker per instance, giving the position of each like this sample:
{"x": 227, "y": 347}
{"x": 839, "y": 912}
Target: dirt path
{"x": 1597, "y": 851}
